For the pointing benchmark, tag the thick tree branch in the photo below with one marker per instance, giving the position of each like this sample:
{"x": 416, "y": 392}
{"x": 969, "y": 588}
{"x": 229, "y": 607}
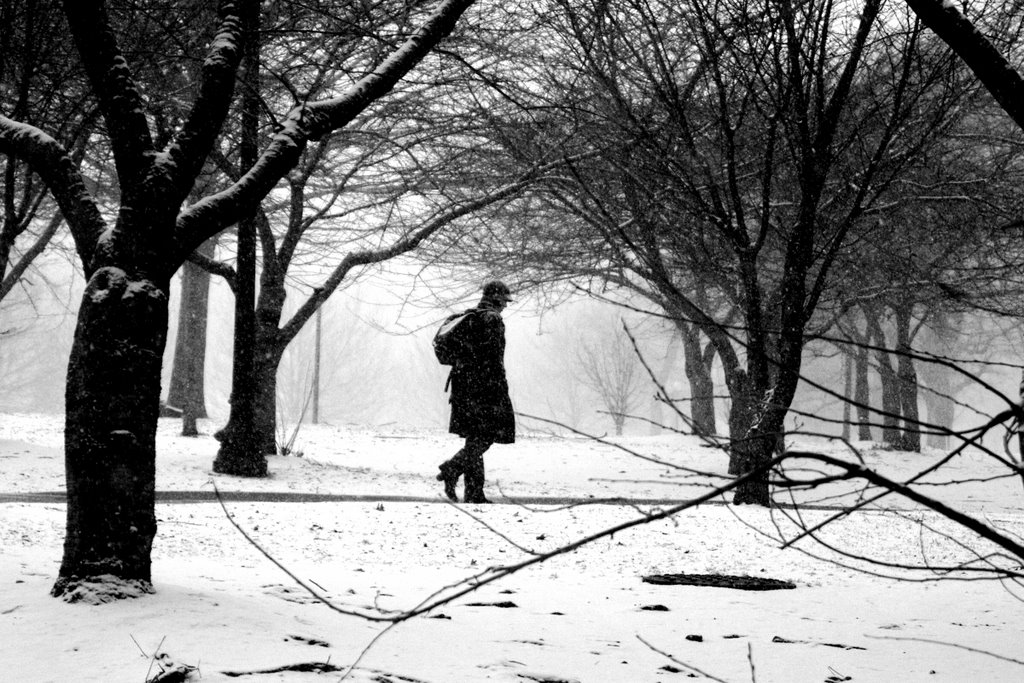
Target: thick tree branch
{"x": 119, "y": 97}
{"x": 977, "y": 51}
{"x": 186, "y": 155}
{"x": 57, "y": 168}
{"x": 858, "y": 471}
{"x": 214, "y": 267}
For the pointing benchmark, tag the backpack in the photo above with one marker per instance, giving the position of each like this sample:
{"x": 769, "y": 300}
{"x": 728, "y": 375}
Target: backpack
{"x": 449, "y": 342}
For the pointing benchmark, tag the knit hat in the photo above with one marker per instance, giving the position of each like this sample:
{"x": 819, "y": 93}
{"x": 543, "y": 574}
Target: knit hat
{"x": 496, "y": 290}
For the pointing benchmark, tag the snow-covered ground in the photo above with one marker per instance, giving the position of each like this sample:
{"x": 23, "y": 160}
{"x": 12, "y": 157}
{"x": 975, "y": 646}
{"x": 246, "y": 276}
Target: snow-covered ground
{"x": 223, "y": 607}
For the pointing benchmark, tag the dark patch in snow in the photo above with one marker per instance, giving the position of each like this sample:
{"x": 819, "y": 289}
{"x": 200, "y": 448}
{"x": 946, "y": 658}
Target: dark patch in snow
{"x": 308, "y": 641}
{"x": 747, "y": 583}
{"x": 506, "y": 604}
{"x": 541, "y": 678}
{"x": 654, "y": 608}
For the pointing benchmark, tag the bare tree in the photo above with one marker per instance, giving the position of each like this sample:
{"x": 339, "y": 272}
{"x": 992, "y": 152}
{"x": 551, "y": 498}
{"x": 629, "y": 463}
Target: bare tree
{"x": 610, "y": 368}
{"x": 735, "y": 156}
{"x": 113, "y": 385}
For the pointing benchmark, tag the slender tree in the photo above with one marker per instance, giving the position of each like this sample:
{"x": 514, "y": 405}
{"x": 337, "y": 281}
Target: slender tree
{"x": 610, "y": 368}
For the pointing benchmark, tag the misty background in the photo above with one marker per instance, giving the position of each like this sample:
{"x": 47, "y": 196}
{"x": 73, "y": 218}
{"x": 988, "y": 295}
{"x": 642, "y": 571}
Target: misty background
{"x": 378, "y": 368}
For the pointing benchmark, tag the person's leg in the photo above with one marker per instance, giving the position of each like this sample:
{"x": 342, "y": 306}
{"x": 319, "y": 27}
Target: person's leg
{"x": 449, "y": 473}
{"x": 474, "y": 469}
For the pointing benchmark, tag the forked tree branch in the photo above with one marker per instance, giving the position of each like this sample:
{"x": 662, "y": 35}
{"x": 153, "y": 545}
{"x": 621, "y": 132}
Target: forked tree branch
{"x": 308, "y": 122}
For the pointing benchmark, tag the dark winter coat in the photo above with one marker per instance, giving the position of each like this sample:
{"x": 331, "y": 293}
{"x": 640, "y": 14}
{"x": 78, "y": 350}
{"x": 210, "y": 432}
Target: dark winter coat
{"x": 480, "y": 403}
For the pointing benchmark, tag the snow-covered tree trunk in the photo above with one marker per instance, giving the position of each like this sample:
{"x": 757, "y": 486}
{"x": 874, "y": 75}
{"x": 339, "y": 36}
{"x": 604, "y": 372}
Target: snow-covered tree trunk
{"x": 113, "y": 397}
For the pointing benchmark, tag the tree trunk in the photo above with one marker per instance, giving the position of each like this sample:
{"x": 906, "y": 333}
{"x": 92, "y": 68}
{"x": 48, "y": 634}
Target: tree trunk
{"x": 754, "y": 452}
{"x": 240, "y": 452}
{"x": 862, "y": 394}
{"x": 847, "y": 395}
{"x": 891, "y": 408}
{"x": 890, "y": 400}
{"x": 702, "y": 388}
{"x": 187, "y": 390}
{"x": 741, "y": 416}
{"x": 268, "y": 360}
{"x": 260, "y": 422}
{"x": 316, "y": 367}
{"x": 112, "y": 404}
{"x": 910, "y": 437}
{"x": 939, "y": 404}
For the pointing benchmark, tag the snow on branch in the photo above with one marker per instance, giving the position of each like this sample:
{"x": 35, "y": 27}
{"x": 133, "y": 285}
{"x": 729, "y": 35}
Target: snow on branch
{"x": 186, "y": 154}
{"x": 52, "y": 162}
{"x": 111, "y": 78}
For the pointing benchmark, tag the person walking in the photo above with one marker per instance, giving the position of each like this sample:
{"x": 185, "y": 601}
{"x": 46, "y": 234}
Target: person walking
{"x": 481, "y": 410}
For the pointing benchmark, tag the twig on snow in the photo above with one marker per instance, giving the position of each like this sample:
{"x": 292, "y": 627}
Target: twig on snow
{"x": 672, "y": 659}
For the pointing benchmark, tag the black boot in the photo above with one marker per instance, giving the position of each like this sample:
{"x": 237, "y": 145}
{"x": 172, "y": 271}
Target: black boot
{"x": 449, "y": 474}
{"x": 474, "y": 478}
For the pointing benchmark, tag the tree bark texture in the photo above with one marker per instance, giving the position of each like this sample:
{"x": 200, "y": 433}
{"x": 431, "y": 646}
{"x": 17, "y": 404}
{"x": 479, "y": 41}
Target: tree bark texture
{"x": 702, "y": 387}
{"x": 754, "y": 452}
{"x": 741, "y": 416}
{"x": 113, "y": 399}
{"x": 265, "y": 407}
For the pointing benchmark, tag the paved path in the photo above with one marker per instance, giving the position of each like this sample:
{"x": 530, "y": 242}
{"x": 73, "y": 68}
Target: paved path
{"x": 205, "y": 496}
